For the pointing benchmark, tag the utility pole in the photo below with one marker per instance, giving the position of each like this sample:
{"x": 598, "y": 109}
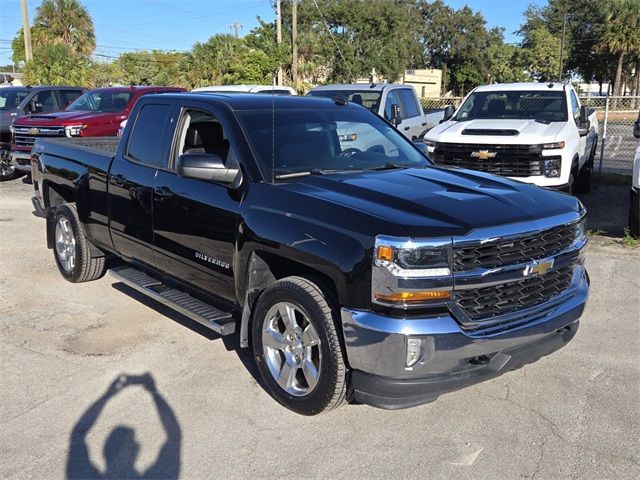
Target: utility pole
{"x": 294, "y": 46}
{"x": 236, "y": 27}
{"x": 27, "y": 31}
{"x": 279, "y": 39}
{"x": 564, "y": 27}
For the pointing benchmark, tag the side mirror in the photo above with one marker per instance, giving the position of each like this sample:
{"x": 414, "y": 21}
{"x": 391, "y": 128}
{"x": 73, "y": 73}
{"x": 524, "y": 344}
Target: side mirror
{"x": 35, "y": 107}
{"x": 396, "y": 117}
{"x": 449, "y": 110}
{"x": 206, "y": 166}
{"x": 421, "y": 145}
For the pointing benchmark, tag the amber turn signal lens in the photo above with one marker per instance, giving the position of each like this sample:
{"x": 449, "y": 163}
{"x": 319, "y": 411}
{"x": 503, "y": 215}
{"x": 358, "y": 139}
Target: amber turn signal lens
{"x": 413, "y": 297}
{"x": 385, "y": 253}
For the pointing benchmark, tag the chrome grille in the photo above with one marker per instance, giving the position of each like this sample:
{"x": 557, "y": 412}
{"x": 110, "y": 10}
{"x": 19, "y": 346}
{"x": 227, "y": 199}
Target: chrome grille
{"x": 25, "y": 137}
{"x": 519, "y": 250}
{"x": 509, "y": 160}
{"x": 487, "y": 302}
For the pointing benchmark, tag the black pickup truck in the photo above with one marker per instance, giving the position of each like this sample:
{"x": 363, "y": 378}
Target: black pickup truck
{"x": 353, "y": 271}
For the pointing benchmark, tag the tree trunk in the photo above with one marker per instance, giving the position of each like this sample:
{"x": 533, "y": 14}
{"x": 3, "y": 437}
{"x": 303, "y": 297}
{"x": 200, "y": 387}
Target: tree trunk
{"x": 638, "y": 82}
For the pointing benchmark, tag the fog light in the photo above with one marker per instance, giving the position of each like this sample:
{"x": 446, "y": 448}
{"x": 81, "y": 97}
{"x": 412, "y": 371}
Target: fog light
{"x": 415, "y": 350}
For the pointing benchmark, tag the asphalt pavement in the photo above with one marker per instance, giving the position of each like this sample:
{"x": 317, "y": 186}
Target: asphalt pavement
{"x": 98, "y": 382}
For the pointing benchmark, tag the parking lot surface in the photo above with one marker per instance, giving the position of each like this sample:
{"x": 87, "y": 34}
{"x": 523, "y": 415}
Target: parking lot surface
{"x": 99, "y": 382}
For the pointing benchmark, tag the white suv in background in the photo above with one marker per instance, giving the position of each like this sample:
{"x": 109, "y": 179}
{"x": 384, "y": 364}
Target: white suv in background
{"x": 634, "y": 206}
{"x": 532, "y": 132}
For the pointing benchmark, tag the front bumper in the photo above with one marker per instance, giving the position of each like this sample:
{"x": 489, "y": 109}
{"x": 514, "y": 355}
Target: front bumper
{"x": 453, "y": 358}
{"x": 22, "y": 160}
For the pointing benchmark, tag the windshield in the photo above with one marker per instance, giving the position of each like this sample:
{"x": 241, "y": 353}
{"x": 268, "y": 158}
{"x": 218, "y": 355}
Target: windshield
{"x": 308, "y": 142}
{"x": 10, "y": 98}
{"x": 546, "y": 106}
{"x": 101, "y": 101}
{"x": 366, "y": 98}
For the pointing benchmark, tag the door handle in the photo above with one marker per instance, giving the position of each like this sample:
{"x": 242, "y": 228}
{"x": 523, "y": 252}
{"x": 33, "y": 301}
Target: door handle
{"x": 118, "y": 180}
{"x": 406, "y": 128}
{"x": 424, "y": 124}
{"x": 163, "y": 193}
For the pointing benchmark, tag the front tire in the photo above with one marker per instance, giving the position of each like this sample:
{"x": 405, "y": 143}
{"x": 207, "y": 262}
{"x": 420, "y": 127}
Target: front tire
{"x": 8, "y": 170}
{"x": 296, "y": 346}
{"x": 71, "y": 249}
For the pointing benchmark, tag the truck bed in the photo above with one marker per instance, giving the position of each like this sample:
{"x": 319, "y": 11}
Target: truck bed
{"x": 100, "y": 144}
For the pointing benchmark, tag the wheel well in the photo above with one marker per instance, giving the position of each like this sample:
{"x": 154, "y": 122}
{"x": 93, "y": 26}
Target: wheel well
{"x": 265, "y": 269}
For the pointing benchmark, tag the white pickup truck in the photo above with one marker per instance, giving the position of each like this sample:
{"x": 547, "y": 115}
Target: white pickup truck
{"x": 532, "y": 132}
{"x": 397, "y": 103}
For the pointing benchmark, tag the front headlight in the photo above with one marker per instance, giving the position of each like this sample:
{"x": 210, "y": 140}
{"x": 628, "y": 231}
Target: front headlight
{"x": 431, "y": 145}
{"x": 74, "y": 130}
{"x": 411, "y": 273}
{"x": 581, "y": 230}
{"x": 552, "y": 146}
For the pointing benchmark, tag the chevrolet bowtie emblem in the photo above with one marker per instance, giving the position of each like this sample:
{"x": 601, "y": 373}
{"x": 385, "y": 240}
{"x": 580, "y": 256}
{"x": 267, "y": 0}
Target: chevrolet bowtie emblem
{"x": 538, "y": 267}
{"x": 34, "y": 131}
{"x": 483, "y": 154}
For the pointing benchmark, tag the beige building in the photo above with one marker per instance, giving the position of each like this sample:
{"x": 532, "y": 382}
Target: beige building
{"x": 427, "y": 82}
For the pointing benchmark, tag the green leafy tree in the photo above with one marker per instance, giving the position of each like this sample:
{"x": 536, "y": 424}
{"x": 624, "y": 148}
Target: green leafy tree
{"x": 542, "y": 54}
{"x": 620, "y": 33}
{"x": 208, "y": 62}
{"x": 59, "y": 22}
{"x": 150, "y": 68}
{"x": 57, "y": 65}
{"x": 106, "y": 74}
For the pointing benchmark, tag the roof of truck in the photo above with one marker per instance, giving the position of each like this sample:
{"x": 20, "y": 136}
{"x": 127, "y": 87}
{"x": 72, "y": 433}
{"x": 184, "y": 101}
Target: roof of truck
{"x": 501, "y": 87}
{"x": 360, "y": 86}
{"x": 250, "y": 101}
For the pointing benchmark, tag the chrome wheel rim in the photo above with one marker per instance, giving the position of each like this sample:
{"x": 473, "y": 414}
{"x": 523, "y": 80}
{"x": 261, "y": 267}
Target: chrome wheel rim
{"x": 6, "y": 167}
{"x": 291, "y": 349}
{"x": 65, "y": 244}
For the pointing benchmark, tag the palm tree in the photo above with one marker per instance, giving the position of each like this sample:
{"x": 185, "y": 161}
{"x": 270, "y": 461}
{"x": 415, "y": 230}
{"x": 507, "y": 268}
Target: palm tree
{"x": 620, "y": 33}
{"x": 64, "y": 22}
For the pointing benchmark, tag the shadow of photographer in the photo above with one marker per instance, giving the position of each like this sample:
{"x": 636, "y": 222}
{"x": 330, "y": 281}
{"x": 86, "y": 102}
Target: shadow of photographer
{"x": 121, "y": 448}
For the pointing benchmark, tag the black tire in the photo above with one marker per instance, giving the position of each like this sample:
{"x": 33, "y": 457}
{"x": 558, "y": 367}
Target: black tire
{"x": 583, "y": 180}
{"x": 634, "y": 214}
{"x": 331, "y": 389}
{"x": 86, "y": 266}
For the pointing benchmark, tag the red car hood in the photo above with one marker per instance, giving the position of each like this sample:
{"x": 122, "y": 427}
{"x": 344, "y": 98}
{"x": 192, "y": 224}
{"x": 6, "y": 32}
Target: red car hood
{"x": 72, "y": 117}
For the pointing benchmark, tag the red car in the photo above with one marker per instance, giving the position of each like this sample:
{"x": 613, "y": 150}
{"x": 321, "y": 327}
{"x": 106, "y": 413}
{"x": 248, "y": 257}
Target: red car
{"x": 97, "y": 113}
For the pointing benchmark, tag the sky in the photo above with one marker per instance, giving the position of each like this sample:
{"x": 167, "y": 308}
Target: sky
{"x": 129, "y": 25}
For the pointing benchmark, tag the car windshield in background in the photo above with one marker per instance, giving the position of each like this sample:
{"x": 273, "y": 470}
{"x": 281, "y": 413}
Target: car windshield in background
{"x": 544, "y": 106}
{"x": 366, "y": 98}
{"x": 291, "y": 143}
{"x": 10, "y": 98}
{"x": 101, "y": 101}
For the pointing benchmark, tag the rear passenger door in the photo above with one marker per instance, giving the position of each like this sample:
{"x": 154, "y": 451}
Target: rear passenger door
{"x": 195, "y": 221}
{"x": 132, "y": 177}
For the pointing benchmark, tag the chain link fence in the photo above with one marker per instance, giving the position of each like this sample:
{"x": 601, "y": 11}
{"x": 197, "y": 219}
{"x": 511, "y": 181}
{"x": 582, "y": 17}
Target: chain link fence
{"x": 616, "y": 143}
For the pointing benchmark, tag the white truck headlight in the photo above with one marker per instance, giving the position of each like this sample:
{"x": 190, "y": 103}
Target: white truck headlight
{"x": 552, "y": 146}
{"x": 552, "y": 167}
{"x": 410, "y": 273}
{"x": 431, "y": 145}
{"x": 74, "y": 130}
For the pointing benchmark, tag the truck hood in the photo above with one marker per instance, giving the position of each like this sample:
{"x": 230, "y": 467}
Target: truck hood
{"x": 527, "y": 132}
{"x": 433, "y": 202}
{"x": 73, "y": 117}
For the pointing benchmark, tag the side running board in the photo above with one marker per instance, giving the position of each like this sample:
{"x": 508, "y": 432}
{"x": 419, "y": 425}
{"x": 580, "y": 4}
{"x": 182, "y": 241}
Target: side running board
{"x": 217, "y": 320}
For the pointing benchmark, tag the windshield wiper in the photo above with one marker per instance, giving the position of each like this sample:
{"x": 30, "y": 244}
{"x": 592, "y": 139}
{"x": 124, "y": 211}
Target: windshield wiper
{"x": 305, "y": 173}
{"x": 389, "y": 166}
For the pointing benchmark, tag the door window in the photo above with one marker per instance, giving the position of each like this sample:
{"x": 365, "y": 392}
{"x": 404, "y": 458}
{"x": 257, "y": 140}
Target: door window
{"x": 411, "y": 108}
{"x": 575, "y": 107}
{"x": 68, "y": 96}
{"x": 201, "y": 132}
{"x": 46, "y": 100}
{"x": 392, "y": 99}
{"x": 146, "y": 142}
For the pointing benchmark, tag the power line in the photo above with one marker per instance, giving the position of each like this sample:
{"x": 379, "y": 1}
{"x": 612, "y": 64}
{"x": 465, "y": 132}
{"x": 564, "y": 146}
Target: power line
{"x": 334, "y": 40}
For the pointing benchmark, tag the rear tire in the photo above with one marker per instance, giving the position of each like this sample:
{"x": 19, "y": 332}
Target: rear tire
{"x": 583, "y": 180}
{"x": 71, "y": 250}
{"x": 296, "y": 346}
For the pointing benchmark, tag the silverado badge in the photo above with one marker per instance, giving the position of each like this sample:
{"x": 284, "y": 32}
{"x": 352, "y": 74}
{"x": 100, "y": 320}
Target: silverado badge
{"x": 483, "y": 154}
{"x": 538, "y": 267}
{"x": 34, "y": 131}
